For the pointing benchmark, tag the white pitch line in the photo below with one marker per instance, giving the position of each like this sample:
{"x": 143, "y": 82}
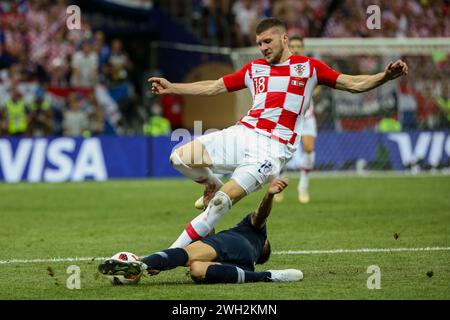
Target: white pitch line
{"x": 363, "y": 250}
{"x": 288, "y": 252}
{"x": 76, "y": 259}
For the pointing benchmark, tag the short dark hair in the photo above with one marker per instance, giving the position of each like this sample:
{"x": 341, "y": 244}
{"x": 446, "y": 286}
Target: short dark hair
{"x": 268, "y": 23}
{"x": 265, "y": 253}
{"x": 296, "y": 37}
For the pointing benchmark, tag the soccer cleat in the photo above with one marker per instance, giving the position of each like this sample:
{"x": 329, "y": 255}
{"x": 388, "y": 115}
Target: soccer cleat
{"x": 199, "y": 204}
{"x": 278, "y": 197}
{"x": 210, "y": 191}
{"x": 285, "y": 275}
{"x": 113, "y": 267}
{"x": 303, "y": 195}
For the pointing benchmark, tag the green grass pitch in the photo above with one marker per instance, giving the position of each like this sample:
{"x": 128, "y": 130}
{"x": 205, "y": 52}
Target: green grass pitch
{"x": 42, "y": 221}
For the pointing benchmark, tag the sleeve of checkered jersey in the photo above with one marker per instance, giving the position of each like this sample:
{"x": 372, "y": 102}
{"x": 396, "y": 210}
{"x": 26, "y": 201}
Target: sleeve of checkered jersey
{"x": 236, "y": 81}
{"x": 325, "y": 75}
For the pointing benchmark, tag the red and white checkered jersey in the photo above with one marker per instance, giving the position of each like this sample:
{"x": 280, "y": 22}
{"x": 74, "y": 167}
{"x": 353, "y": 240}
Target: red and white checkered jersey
{"x": 281, "y": 93}
{"x": 310, "y": 111}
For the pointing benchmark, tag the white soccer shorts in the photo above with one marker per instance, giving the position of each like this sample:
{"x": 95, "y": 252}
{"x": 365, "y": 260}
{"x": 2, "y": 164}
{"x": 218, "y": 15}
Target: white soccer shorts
{"x": 252, "y": 158}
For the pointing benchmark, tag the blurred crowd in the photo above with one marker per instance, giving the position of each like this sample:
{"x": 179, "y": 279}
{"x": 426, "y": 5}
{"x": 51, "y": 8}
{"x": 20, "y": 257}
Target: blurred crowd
{"x": 416, "y": 18}
{"x": 56, "y": 81}
{"x": 422, "y": 100}
{"x": 232, "y": 22}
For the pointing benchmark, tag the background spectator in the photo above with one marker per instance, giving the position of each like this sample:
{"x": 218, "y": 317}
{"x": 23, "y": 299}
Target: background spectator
{"x": 119, "y": 62}
{"x": 59, "y": 56}
{"x": 407, "y": 107}
{"x": 15, "y": 113}
{"x": 246, "y": 14}
{"x": 443, "y": 102}
{"x": 84, "y": 66}
{"x": 102, "y": 49}
{"x": 157, "y": 125}
{"x": 41, "y": 116}
{"x": 96, "y": 116}
{"x": 76, "y": 122}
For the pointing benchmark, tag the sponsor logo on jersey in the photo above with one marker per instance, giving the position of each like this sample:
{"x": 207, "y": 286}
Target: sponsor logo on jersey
{"x": 260, "y": 70}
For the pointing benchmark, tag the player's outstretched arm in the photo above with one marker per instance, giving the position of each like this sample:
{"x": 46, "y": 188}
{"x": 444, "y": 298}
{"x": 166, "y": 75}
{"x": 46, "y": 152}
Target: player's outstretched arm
{"x": 259, "y": 217}
{"x": 363, "y": 83}
{"x": 200, "y": 88}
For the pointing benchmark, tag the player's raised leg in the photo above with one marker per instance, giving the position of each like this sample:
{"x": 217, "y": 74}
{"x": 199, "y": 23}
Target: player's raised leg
{"x": 194, "y": 162}
{"x": 228, "y": 149}
{"x": 220, "y": 203}
{"x": 306, "y": 166}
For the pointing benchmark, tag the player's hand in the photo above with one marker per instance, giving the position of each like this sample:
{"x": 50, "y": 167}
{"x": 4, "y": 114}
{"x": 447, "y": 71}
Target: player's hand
{"x": 396, "y": 69}
{"x": 278, "y": 185}
{"x": 160, "y": 85}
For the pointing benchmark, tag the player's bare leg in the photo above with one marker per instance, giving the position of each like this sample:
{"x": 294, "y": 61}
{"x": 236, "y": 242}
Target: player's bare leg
{"x": 193, "y": 161}
{"x": 199, "y": 251}
{"x": 221, "y": 202}
{"x": 306, "y": 166}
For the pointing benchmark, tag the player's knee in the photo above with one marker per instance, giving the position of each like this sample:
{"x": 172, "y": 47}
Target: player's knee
{"x": 197, "y": 271}
{"x": 176, "y": 160}
{"x": 234, "y": 191}
{"x": 308, "y": 144}
{"x": 308, "y": 148}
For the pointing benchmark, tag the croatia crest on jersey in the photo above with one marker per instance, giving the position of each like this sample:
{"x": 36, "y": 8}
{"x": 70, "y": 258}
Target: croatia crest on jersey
{"x": 299, "y": 68}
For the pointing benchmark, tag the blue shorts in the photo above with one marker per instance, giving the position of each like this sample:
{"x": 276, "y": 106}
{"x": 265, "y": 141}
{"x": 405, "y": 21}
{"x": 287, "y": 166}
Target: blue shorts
{"x": 232, "y": 248}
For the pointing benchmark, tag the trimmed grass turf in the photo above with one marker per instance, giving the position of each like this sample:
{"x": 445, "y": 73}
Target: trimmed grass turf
{"x": 92, "y": 219}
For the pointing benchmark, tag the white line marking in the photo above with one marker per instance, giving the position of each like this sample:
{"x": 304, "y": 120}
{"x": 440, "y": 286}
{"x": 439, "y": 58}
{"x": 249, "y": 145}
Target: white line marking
{"x": 363, "y": 250}
{"x": 76, "y": 259}
{"x": 371, "y": 174}
{"x": 288, "y": 252}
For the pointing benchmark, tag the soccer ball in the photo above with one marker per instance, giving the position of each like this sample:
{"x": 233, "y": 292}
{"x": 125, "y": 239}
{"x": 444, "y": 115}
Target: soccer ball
{"x": 120, "y": 279}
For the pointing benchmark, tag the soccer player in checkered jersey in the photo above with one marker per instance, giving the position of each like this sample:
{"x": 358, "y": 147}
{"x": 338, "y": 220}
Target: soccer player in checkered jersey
{"x": 308, "y": 135}
{"x": 257, "y": 147}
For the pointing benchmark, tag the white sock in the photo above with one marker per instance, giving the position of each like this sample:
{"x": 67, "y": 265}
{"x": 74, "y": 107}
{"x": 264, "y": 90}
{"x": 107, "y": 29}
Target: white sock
{"x": 199, "y": 175}
{"x": 306, "y": 166}
{"x": 205, "y": 221}
{"x": 304, "y": 180}
{"x": 307, "y": 161}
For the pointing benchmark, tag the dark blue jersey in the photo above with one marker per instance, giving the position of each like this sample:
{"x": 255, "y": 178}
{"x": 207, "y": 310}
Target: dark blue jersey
{"x": 241, "y": 245}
